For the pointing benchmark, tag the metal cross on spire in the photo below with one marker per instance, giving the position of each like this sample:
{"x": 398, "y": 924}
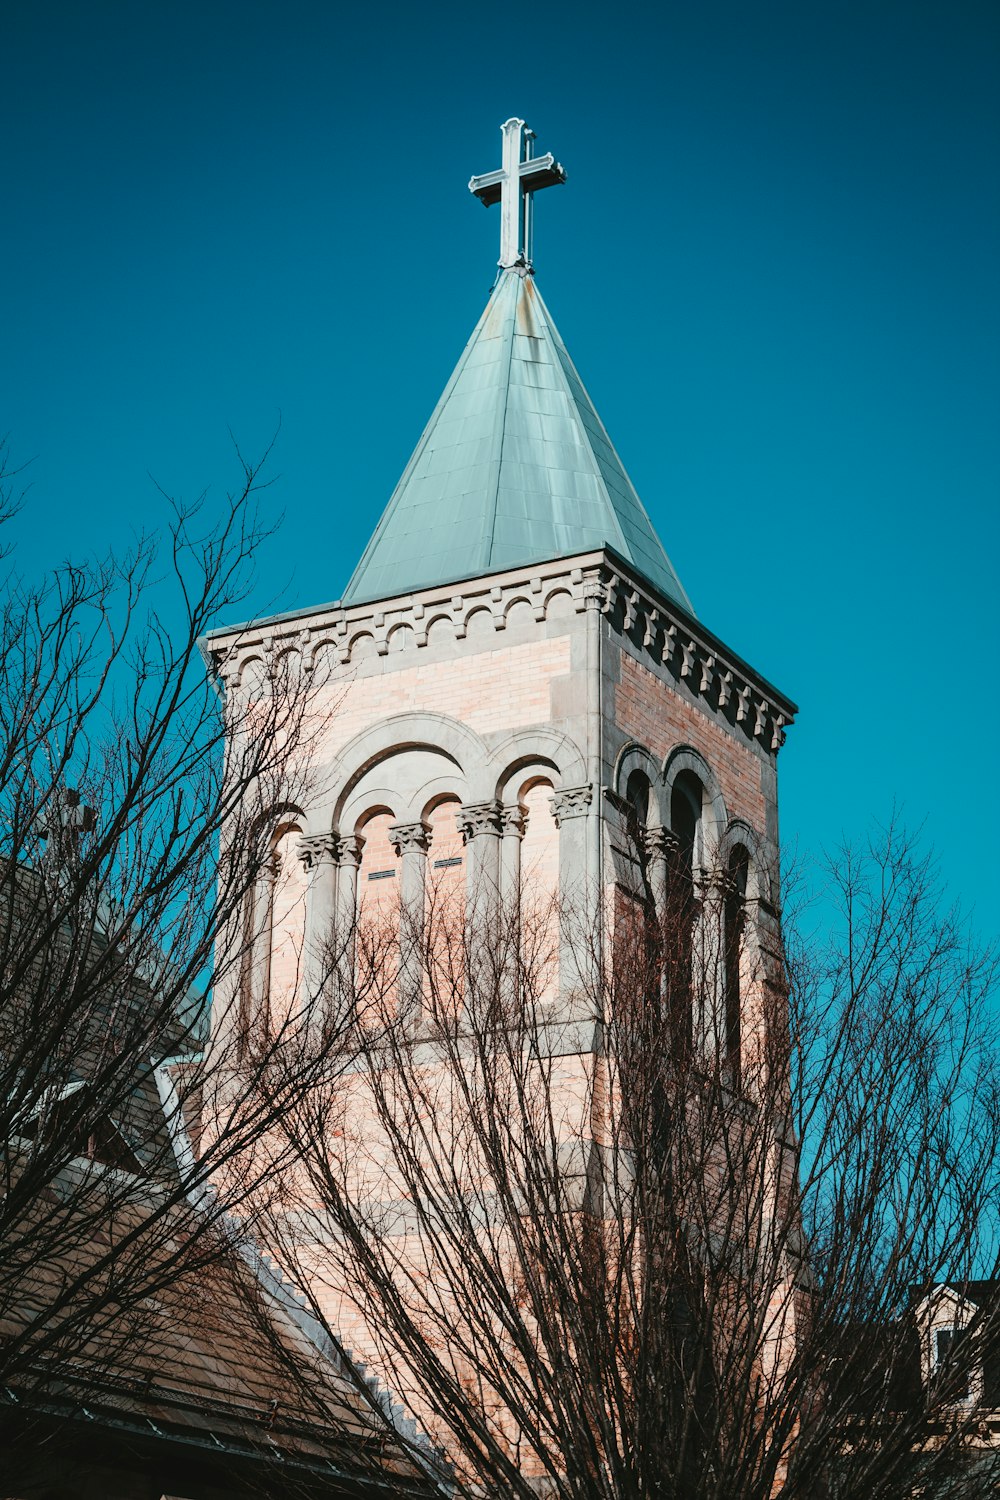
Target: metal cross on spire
{"x": 520, "y": 176}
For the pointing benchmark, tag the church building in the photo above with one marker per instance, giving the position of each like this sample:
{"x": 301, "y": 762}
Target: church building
{"x": 514, "y": 690}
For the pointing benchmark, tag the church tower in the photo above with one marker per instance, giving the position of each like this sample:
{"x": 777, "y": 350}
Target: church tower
{"x": 514, "y": 689}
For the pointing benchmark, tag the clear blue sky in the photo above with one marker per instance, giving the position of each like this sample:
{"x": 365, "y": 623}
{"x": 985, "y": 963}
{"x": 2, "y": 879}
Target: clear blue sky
{"x": 776, "y": 264}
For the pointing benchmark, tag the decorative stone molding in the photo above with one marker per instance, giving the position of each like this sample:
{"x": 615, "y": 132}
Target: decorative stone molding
{"x": 475, "y": 818}
{"x": 514, "y": 820}
{"x": 571, "y": 802}
{"x": 317, "y": 849}
{"x": 347, "y": 851}
{"x": 357, "y": 638}
{"x": 659, "y": 841}
{"x": 409, "y": 838}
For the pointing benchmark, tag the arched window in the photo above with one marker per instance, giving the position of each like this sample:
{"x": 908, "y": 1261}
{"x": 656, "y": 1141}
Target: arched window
{"x": 734, "y": 920}
{"x": 636, "y": 936}
{"x": 638, "y": 797}
{"x": 682, "y": 908}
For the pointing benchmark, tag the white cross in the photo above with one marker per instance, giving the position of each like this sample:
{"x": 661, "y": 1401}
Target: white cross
{"x": 512, "y": 187}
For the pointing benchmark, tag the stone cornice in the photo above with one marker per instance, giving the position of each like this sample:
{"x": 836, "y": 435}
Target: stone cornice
{"x": 658, "y": 630}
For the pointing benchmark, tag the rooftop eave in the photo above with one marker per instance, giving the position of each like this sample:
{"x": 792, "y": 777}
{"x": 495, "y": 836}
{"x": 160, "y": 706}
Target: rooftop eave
{"x": 600, "y": 579}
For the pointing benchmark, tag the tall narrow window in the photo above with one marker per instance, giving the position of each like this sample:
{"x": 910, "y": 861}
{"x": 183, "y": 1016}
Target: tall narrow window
{"x": 636, "y": 970}
{"x": 682, "y": 909}
{"x": 734, "y": 918}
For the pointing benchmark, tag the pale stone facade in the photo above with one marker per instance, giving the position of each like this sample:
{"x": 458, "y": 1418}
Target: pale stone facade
{"x": 545, "y": 726}
{"x": 511, "y": 712}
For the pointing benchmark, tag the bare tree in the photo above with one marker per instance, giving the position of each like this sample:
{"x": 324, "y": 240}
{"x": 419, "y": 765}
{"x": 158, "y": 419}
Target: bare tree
{"x": 135, "y": 807}
{"x": 668, "y": 1235}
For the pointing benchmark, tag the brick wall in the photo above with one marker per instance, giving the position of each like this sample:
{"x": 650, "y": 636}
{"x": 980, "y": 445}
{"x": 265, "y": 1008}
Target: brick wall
{"x": 653, "y": 713}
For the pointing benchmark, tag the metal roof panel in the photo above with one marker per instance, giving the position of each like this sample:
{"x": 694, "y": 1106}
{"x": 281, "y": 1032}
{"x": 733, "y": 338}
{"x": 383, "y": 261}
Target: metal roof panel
{"x": 514, "y": 466}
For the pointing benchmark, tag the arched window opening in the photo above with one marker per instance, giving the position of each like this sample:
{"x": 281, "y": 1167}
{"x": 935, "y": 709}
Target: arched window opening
{"x": 639, "y": 952}
{"x": 638, "y": 803}
{"x": 682, "y": 909}
{"x": 734, "y": 919}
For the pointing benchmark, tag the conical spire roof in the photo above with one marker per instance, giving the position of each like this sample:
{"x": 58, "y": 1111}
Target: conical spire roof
{"x": 514, "y": 467}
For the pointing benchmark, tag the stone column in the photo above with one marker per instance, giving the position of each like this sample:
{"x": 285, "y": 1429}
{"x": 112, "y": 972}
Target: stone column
{"x": 661, "y": 846}
{"x": 479, "y": 824}
{"x": 579, "y": 902}
{"x": 708, "y": 964}
{"x": 318, "y": 852}
{"x": 480, "y": 827}
{"x": 411, "y": 842}
{"x": 347, "y": 857}
{"x": 661, "y": 854}
{"x": 513, "y": 821}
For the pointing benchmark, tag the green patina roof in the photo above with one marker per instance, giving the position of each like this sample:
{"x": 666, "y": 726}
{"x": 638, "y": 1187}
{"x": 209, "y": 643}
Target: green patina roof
{"x": 514, "y": 467}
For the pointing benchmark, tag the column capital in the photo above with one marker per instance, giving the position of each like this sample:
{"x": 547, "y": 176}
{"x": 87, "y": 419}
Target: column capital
{"x": 409, "y": 838}
{"x": 474, "y": 818}
{"x": 347, "y": 851}
{"x": 571, "y": 802}
{"x": 659, "y": 841}
{"x": 317, "y": 849}
{"x": 514, "y": 820}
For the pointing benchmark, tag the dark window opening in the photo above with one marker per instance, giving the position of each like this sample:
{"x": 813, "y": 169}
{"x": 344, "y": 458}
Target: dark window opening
{"x": 682, "y": 910}
{"x": 734, "y": 920}
{"x": 98, "y": 1140}
{"x": 950, "y": 1345}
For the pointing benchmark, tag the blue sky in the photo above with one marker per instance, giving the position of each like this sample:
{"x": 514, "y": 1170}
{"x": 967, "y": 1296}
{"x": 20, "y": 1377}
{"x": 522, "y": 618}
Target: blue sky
{"x": 775, "y": 265}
